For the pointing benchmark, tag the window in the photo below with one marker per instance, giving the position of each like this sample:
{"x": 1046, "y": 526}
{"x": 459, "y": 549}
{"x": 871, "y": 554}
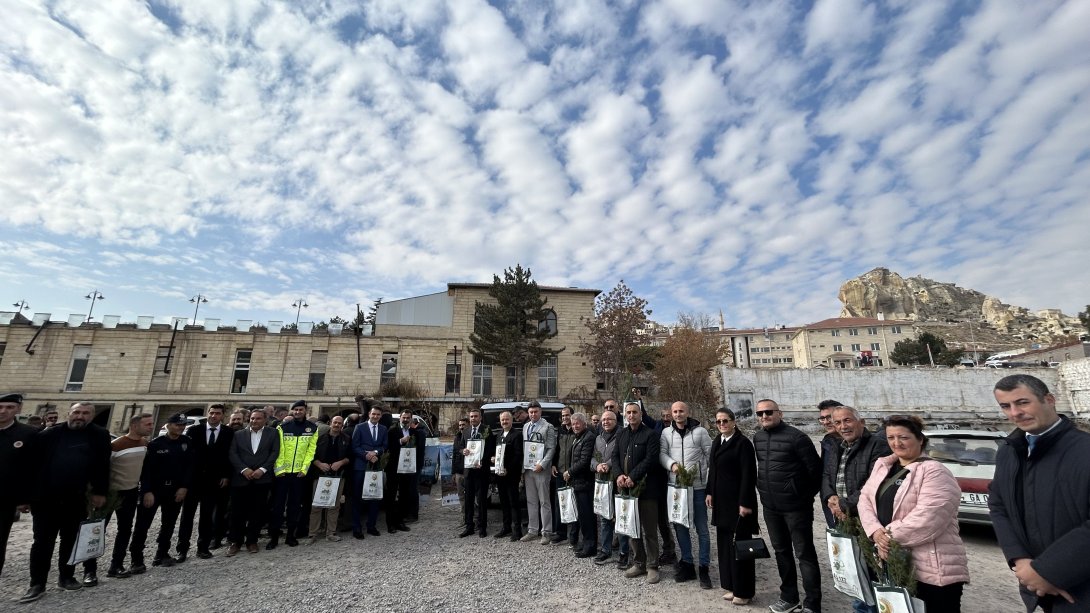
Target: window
{"x": 754, "y": 349}
{"x": 855, "y": 347}
{"x": 512, "y": 382}
{"x": 872, "y": 331}
{"x": 838, "y": 347}
{"x": 81, "y": 354}
{"x": 895, "y": 329}
{"x": 853, "y": 331}
{"x": 316, "y": 380}
{"x": 3, "y": 346}
{"x": 482, "y": 377}
{"x": 546, "y": 378}
{"x": 242, "y": 370}
{"x": 834, "y": 332}
{"x": 454, "y": 374}
{"x": 788, "y": 360}
{"x": 766, "y": 349}
{"x": 875, "y": 346}
{"x": 549, "y": 323}
{"x": 388, "y": 371}
{"x": 159, "y": 375}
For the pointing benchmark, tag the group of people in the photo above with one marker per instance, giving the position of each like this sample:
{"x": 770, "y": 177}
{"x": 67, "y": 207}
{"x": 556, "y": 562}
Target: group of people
{"x": 244, "y": 479}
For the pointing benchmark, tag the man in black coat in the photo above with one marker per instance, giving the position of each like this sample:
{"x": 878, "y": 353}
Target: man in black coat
{"x": 1038, "y": 498}
{"x": 788, "y": 478}
{"x": 580, "y": 476}
{"x": 851, "y": 462}
{"x": 68, "y": 458}
{"x": 209, "y": 488}
{"x": 477, "y": 476}
{"x": 402, "y": 488}
{"x": 636, "y": 460}
{"x": 164, "y": 484}
{"x": 829, "y": 443}
{"x": 508, "y": 472}
{"x": 15, "y": 439}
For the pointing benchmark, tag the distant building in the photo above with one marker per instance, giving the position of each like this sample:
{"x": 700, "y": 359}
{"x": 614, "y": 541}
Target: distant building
{"x": 848, "y": 342}
{"x": 1055, "y": 354}
{"x": 762, "y": 347}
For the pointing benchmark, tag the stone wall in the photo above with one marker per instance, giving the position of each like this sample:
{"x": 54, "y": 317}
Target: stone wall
{"x": 943, "y": 394}
{"x": 1075, "y": 385}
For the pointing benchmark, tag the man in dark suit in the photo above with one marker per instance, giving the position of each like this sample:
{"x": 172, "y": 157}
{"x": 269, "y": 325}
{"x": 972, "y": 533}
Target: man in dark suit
{"x": 402, "y": 488}
{"x": 477, "y": 476}
{"x": 15, "y": 439}
{"x": 508, "y": 473}
{"x": 211, "y": 442}
{"x": 252, "y": 454}
{"x": 67, "y": 458}
{"x": 368, "y": 445}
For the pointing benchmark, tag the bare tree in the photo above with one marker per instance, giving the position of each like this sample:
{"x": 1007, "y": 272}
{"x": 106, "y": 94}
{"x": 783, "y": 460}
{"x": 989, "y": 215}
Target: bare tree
{"x": 612, "y": 344}
{"x": 686, "y": 364}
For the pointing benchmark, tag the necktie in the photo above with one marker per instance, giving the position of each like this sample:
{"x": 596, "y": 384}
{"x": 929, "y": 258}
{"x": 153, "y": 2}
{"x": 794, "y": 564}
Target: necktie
{"x": 529, "y": 430}
{"x": 374, "y": 432}
{"x": 474, "y": 435}
{"x": 212, "y": 437}
{"x": 1031, "y": 440}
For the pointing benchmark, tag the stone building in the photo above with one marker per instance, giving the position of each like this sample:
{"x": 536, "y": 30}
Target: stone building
{"x": 418, "y": 352}
{"x": 848, "y": 342}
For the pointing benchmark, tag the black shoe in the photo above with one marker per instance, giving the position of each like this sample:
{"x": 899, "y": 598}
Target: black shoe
{"x": 138, "y": 568}
{"x": 204, "y": 554}
{"x": 403, "y": 527}
{"x": 34, "y": 593}
{"x": 90, "y": 579}
{"x": 181, "y": 557}
{"x": 623, "y": 562}
{"x": 165, "y": 562}
{"x": 374, "y": 532}
{"x": 291, "y": 541}
{"x": 117, "y": 572}
{"x": 602, "y": 558}
{"x": 584, "y": 553}
{"x": 667, "y": 557}
{"x": 556, "y": 540}
{"x": 502, "y": 533}
{"x": 482, "y": 533}
{"x": 685, "y": 572}
{"x": 69, "y": 583}
{"x": 465, "y": 533}
{"x": 392, "y": 530}
{"x": 705, "y": 579}
{"x": 516, "y": 537}
{"x": 216, "y": 544}
{"x": 358, "y": 535}
{"x": 273, "y": 542}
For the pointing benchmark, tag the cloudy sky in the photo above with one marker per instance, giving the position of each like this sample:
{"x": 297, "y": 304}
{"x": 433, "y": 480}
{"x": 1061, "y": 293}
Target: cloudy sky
{"x": 747, "y": 157}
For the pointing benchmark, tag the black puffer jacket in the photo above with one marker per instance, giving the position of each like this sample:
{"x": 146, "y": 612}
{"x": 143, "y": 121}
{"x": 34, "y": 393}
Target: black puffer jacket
{"x": 788, "y": 469}
{"x": 861, "y": 459}
{"x": 579, "y": 466}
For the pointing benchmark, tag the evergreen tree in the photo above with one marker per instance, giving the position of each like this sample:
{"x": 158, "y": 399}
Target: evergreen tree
{"x": 914, "y": 351}
{"x": 511, "y": 332}
{"x": 1084, "y": 318}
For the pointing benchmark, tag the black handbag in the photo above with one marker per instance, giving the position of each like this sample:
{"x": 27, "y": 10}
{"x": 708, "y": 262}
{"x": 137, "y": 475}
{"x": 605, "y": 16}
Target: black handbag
{"x": 750, "y": 549}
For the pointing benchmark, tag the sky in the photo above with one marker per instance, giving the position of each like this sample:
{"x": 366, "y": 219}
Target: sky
{"x": 715, "y": 155}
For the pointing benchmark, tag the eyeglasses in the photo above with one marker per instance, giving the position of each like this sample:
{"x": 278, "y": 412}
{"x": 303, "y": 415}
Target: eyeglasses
{"x": 764, "y": 413}
{"x": 825, "y": 418}
{"x": 723, "y": 421}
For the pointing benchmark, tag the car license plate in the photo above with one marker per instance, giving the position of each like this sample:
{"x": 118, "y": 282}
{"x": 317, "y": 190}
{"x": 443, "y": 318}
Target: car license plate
{"x": 974, "y": 499}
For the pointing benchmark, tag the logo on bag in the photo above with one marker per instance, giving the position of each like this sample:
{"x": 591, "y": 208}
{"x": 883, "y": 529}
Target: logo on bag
{"x": 329, "y": 482}
{"x": 17, "y": 444}
{"x": 96, "y": 530}
{"x": 374, "y": 476}
{"x": 533, "y": 448}
{"x": 885, "y": 606}
{"x": 836, "y": 548}
{"x": 676, "y": 497}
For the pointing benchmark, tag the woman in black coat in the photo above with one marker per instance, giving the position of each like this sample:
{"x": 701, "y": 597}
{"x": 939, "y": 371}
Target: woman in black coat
{"x": 732, "y": 498}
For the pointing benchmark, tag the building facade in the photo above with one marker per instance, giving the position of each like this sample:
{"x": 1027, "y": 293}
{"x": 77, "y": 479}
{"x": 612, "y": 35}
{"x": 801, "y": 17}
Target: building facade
{"x": 418, "y": 352}
{"x": 848, "y": 342}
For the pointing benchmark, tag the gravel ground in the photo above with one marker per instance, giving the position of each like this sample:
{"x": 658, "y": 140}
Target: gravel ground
{"x": 429, "y": 569}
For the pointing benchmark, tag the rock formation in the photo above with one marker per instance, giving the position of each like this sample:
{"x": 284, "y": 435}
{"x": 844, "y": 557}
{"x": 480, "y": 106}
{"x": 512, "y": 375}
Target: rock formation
{"x": 925, "y": 301}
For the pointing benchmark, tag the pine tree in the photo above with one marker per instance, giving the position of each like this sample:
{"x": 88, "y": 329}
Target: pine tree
{"x": 511, "y": 331}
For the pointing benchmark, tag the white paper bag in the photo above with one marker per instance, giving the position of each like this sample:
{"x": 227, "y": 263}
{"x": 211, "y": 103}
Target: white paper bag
{"x": 679, "y": 501}
{"x": 848, "y": 568}
{"x": 603, "y": 499}
{"x": 476, "y": 453}
{"x": 327, "y": 491}
{"x": 497, "y": 467}
{"x": 627, "y": 519}
{"x": 532, "y": 452}
{"x": 90, "y": 541}
{"x": 406, "y": 461}
{"x": 896, "y": 600}
{"x": 372, "y": 485}
{"x": 569, "y": 513}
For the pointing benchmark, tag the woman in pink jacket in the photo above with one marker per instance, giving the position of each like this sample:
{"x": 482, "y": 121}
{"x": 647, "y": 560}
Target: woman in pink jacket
{"x": 914, "y": 499}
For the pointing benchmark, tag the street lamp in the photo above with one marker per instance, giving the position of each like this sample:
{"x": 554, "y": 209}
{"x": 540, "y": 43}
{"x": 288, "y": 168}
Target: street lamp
{"x": 93, "y": 296}
{"x": 197, "y": 300}
{"x": 21, "y": 306}
{"x": 299, "y": 305}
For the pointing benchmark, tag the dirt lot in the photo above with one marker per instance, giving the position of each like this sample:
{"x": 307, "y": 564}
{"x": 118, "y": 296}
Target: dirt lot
{"x": 429, "y": 569}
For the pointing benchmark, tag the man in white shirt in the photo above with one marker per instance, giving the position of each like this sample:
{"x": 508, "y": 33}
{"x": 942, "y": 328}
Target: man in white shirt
{"x": 253, "y": 454}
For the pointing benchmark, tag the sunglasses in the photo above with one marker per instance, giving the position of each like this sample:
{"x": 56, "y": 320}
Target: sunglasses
{"x": 723, "y": 421}
{"x": 764, "y": 413}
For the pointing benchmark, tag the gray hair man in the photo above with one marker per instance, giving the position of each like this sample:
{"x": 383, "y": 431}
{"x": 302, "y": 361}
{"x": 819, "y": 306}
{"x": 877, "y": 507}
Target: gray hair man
{"x": 603, "y": 453}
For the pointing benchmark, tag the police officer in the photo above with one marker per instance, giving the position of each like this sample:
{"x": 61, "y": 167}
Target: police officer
{"x": 164, "y": 482}
{"x": 298, "y": 441}
{"x": 15, "y": 439}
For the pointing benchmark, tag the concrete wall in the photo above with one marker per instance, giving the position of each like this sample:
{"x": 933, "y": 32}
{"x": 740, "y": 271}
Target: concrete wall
{"x": 933, "y": 394}
{"x": 1075, "y": 385}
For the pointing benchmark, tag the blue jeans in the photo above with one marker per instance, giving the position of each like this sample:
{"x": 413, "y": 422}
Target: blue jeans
{"x": 700, "y": 521}
{"x": 858, "y": 606}
{"x": 605, "y": 537}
